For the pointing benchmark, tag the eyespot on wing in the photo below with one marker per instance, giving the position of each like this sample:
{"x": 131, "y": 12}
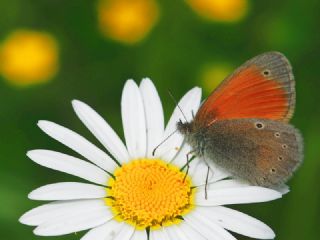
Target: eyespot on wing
{"x": 256, "y": 155}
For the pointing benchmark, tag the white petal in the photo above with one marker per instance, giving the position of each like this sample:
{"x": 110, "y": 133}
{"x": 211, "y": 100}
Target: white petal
{"x": 154, "y": 114}
{"x": 237, "y": 222}
{"x": 125, "y": 233}
{"x": 112, "y": 230}
{"x": 81, "y": 220}
{"x": 133, "y": 119}
{"x": 140, "y": 235}
{"x": 189, "y": 104}
{"x": 175, "y": 233}
{"x": 283, "y": 189}
{"x": 52, "y": 210}
{"x": 198, "y": 169}
{"x": 236, "y": 195}
{"x": 160, "y": 234}
{"x": 78, "y": 144}
{"x": 199, "y": 172}
{"x": 101, "y": 130}
{"x": 181, "y": 158}
{"x": 223, "y": 184}
{"x": 189, "y": 231}
{"x": 68, "y": 191}
{"x": 106, "y": 231}
{"x": 68, "y": 164}
{"x": 207, "y": 228}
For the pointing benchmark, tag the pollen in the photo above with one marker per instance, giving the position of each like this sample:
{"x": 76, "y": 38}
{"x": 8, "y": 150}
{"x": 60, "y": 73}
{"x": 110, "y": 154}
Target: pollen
{"x": 149, "y": 193}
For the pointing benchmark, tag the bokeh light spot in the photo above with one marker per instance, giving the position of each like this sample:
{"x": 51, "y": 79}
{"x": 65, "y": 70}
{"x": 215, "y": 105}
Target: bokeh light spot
{"x": 220, "y": 10}
{"x": 212, "y": 75}
{"x": 28, "y": 57}
{"x": 127, "y": 21}
{"x": 278, "y": 30}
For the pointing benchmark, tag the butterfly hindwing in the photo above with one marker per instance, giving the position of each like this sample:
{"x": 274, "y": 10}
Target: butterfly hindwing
{"x": 262, "y": 151}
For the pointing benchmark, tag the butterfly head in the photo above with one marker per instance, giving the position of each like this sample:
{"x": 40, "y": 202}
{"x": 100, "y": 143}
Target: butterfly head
{"x": 185, "y": 128}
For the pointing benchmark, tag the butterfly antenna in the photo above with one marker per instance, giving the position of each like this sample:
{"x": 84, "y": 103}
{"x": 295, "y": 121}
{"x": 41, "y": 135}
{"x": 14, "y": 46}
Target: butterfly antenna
{"x": 163, "y": 141}
{"x": 177, "y": 104}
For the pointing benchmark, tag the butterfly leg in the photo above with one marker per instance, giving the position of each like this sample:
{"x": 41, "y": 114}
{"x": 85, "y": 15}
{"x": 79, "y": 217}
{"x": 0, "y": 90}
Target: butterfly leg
{"x": 207, "y": 179}
{"x": 206, "y": 184}
{"x": 188, "y": 162}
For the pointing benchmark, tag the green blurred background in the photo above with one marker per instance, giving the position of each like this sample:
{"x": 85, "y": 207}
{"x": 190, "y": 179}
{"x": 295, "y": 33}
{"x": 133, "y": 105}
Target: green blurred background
{"x": 183, "y": 49}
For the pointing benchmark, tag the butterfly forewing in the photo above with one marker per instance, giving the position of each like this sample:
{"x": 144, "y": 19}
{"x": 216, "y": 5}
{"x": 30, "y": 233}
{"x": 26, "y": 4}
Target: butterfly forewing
{"x": 263, "y": 88}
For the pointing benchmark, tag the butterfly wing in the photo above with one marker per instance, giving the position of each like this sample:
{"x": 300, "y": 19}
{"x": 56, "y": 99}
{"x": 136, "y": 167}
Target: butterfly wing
{"x": 262, "y": 151}
{"x": 263, "y": 88}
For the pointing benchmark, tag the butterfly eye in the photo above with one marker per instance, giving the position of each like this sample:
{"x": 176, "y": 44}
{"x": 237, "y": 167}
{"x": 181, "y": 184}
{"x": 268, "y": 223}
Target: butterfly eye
{"x": 259, "y": 125}
{"x": 266, "y": 72}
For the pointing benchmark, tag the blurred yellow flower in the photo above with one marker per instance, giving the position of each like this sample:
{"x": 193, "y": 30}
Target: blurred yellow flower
{"x": 213, "y": 74}
{"x": 127, "y": 21}
{"x": 28, "y": 57}
{"x": 220, "y": 10}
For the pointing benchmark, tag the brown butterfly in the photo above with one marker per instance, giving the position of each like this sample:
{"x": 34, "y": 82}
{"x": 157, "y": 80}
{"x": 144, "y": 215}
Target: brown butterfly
{"x": 243, "y": 125}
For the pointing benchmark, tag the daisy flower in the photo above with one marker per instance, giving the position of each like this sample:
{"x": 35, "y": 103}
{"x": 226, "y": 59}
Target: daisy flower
{"x": 131, "y": 194}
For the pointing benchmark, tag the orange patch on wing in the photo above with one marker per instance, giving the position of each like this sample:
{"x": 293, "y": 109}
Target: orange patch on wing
{"x": 248, "y": 94}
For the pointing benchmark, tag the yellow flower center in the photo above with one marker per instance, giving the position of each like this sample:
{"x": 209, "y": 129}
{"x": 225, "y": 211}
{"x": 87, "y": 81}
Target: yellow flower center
{"x": 149, "y": 193}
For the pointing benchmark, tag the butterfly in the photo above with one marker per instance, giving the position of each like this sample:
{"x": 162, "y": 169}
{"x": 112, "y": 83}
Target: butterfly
{"x": 243, "y": 125}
